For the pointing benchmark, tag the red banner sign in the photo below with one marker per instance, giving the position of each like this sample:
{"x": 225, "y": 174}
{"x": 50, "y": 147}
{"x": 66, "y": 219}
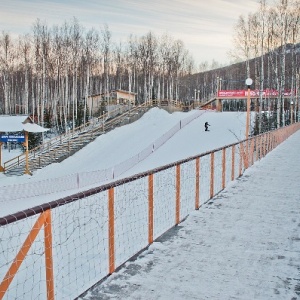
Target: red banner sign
{"x": 253, "y": 93}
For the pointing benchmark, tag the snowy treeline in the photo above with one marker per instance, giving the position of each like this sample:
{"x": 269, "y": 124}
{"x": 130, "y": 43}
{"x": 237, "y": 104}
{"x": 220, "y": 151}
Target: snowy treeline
{"x": 269, "y": 37}
{"x": 266, "y": 48}
{"x": 54, "y": 70}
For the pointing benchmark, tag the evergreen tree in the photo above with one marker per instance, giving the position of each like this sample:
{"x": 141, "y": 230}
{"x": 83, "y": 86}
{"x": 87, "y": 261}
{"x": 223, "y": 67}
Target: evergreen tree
{"x": 34, "y": 139}
{"x": 48, "y": 118}
{"x": 80, "y": 115}
{"x": 102, "y": 109}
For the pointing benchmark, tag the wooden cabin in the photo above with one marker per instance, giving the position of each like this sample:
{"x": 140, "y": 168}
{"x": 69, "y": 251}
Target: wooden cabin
{"x": 94, "y": 102}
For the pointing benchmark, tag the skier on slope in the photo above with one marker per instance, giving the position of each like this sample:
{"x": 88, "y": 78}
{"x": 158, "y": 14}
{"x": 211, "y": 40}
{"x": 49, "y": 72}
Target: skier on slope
{"x": 206, "y": 126}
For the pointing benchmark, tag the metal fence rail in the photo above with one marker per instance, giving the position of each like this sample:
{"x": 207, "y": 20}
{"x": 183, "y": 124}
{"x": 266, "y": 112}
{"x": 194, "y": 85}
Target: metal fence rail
{"x": 60, "y": 249}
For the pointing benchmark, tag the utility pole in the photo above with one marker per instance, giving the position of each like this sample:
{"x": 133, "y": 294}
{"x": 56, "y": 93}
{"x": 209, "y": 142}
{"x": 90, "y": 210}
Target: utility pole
{"x": 248, "y": 83}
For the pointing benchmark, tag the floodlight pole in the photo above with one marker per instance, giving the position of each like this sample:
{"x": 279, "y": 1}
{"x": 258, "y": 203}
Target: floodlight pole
{"x": 248, "y": 83}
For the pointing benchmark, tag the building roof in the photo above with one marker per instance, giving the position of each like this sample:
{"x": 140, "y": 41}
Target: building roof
{"x": 112, "y": 91}
{"x": 127, "y": 92}
{"x": 19, "y": 123}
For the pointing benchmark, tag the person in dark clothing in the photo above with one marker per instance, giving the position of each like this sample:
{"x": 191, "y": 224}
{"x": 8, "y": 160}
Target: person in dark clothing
{"x": 206, "y": 126}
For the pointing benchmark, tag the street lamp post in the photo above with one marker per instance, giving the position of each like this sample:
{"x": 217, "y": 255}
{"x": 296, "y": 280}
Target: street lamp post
{"x": 248, "y": 83}
{"x": 195, "y": 95}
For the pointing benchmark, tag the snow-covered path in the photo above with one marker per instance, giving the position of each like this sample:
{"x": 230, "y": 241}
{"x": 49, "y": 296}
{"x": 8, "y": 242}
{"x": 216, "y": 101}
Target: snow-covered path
{"x": 242, "y": 244}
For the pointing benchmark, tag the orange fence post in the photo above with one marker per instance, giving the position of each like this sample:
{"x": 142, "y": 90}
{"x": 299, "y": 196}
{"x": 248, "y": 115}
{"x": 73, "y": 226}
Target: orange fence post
{"x": 150, "y": 208}
{"x": 243, "y": 157}
{"x": 26, "y": 171}
{"x": 49, "y": 256}
{"x": 177, "y": 221}
{"x": 212, "y": 173}
{"x": 240, "y": 160}
{"x": 248, "y": 153}
{"x": 111, "y": 230}
{"x": 9, "y": 276}
{"x": 260, "y": 147}
{"x": 232, "y": 162}
{"x": 269, "y": 142}
{"x": 257, "y": 147}
{"x": 223, "y": 167}
{"x": 263, "y": 144}
{"x": 1, "y": 168}
{"x": 252, "y": 151}
{"x": 197, "y": 187}
{"x": 245, "y": 153}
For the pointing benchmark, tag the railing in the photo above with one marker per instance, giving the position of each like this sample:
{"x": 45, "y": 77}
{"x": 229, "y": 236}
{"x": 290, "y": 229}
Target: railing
{"x": 66, "y": 137}
{"x": 60, "y": 249}
{"x": 80, "y": 180}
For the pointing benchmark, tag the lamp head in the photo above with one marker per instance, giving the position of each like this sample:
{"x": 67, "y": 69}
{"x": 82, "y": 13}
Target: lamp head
{"x": 249, "y": 81}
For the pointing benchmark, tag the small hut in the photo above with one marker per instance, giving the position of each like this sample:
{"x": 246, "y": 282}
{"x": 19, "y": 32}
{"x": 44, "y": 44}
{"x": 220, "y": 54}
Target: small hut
{"x": 9, "y": 125}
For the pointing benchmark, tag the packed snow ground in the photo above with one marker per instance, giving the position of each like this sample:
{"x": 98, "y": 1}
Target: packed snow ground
{"x": 243, "y": 244}
{"x": 124, "y": 142}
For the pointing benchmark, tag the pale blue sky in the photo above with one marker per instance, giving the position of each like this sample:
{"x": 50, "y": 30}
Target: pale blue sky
{"x": 205, "y": 27}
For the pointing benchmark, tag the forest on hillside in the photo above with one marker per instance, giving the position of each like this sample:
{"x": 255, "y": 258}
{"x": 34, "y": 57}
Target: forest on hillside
{"x": 51, "y": 72}
{"x": 267, "y": 41}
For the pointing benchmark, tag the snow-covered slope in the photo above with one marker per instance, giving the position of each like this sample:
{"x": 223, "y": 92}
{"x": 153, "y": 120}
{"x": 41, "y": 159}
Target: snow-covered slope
{"x": 124, "y": 142}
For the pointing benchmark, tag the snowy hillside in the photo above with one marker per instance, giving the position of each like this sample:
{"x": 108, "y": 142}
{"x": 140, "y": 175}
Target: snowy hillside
{"x": 124, "y": 142}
